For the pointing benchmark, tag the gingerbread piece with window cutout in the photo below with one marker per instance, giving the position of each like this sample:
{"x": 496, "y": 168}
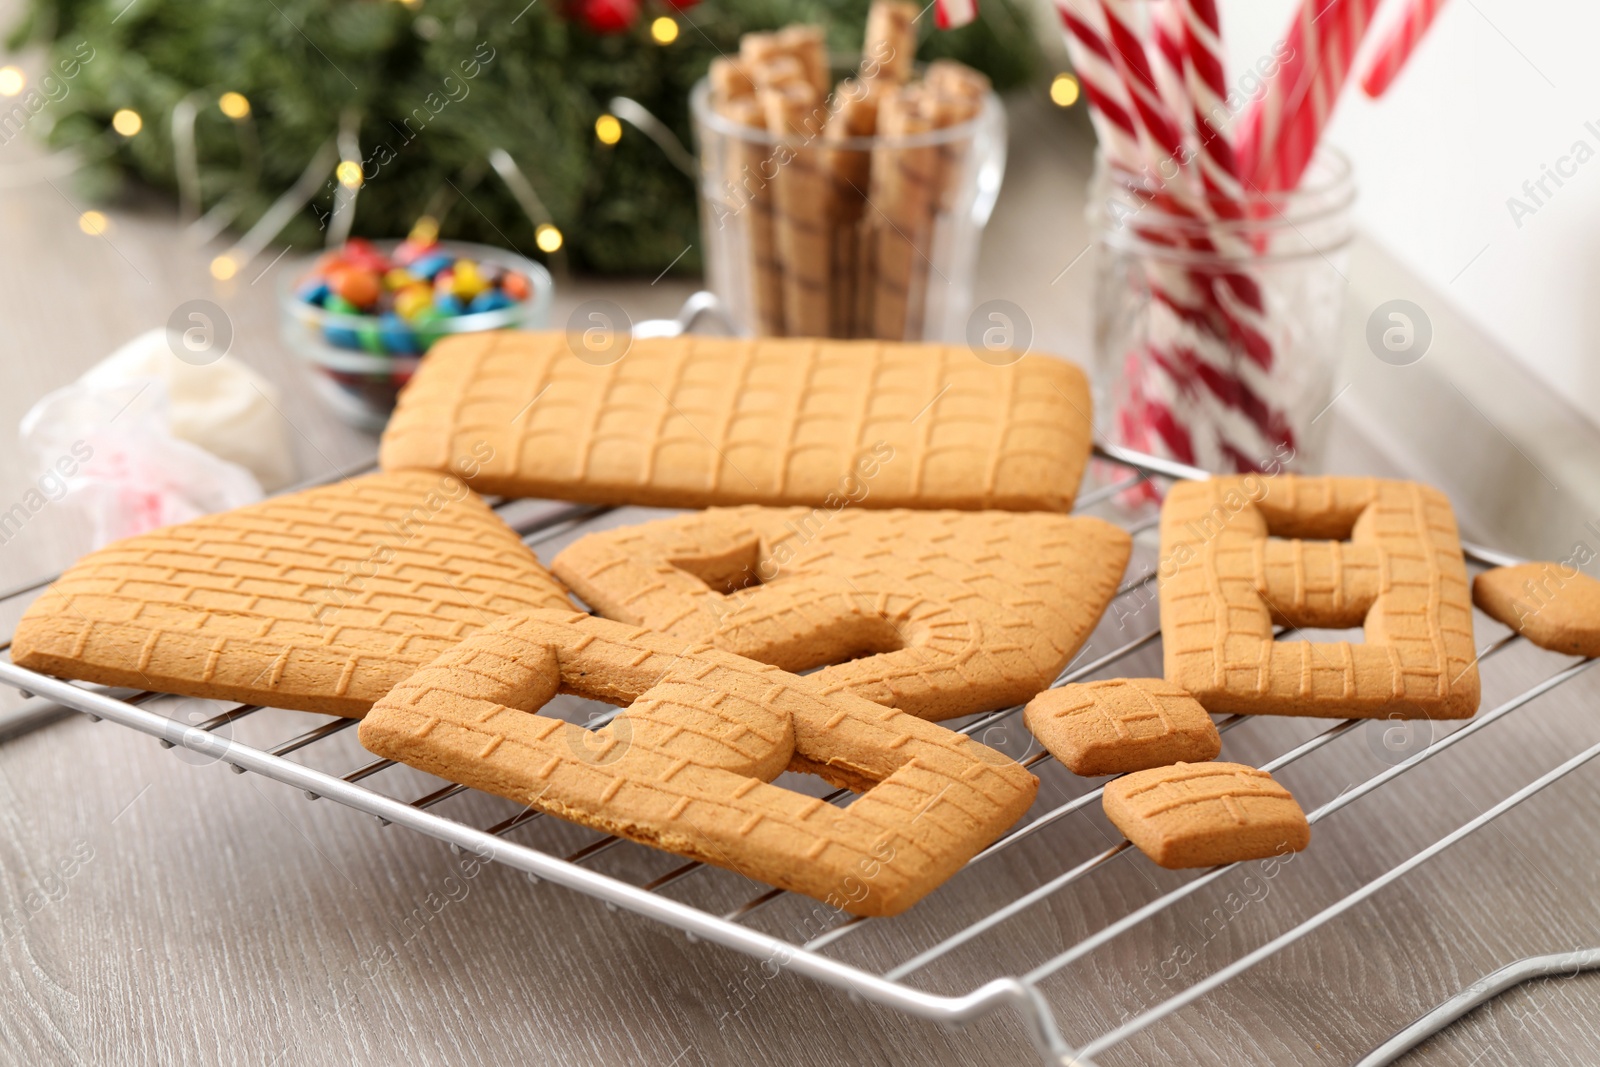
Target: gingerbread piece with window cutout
{"x": 1243, "y": 555}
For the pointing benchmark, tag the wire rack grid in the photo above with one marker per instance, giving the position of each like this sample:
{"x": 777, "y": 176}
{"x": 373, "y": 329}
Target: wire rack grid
{"x": 547, "y": 524}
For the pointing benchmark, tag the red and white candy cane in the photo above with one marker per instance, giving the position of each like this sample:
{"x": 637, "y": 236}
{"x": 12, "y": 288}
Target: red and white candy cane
{"x": 1233, "y": 296}
{"x": 1146, "y": 406}
{"x": 1398, "y": 42}
{"x": 1346, "y": 26}
{"x": 1256, "y": 136}
{"x": 1207, "y": 83}
{"x": 1167, "y": 59}
{"x": 1134, "y": 128}
{"x": 951, "y": 14}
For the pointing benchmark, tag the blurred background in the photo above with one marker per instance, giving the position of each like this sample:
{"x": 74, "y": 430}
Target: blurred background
{"x": 154, "y": 154}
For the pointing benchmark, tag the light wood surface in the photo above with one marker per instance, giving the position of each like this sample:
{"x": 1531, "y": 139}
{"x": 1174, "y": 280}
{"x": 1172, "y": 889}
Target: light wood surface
{"x": 215, "y": 918}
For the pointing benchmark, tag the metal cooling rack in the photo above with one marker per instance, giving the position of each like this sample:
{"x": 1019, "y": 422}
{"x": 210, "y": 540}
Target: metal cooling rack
{"x": 542, "y": 522}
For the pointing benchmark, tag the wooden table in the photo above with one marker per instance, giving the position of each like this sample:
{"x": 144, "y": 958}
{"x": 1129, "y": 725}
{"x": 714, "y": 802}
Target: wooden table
{"x": 156, "y": 910}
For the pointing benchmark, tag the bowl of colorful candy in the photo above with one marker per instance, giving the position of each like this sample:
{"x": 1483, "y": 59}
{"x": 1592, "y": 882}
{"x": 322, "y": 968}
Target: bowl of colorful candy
{"x": 364, "y": 315}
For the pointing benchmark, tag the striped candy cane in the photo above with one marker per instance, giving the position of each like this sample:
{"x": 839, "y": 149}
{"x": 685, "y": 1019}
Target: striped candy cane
{"x": 1167, "y": 60}
{"x": 1348, "y": 24}
{"x": 1207, "y": 84}
{"x": 1397, "y": 44}
{"x": 1256, "y": 139}
{"x": 1148, "y": 413}
{"x": 1237, "y": 299}
{"x": 951, "y": 14}
{"x": 1135, "y": 127}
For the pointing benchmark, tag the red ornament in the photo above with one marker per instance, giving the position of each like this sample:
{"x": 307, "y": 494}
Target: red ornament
{"x": 608, "y": 16}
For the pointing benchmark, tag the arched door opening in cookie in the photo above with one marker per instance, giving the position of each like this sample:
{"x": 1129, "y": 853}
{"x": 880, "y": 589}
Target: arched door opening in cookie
{"x": 1240, "y": 555}
{"x": 688, "y": 766}
{"x": 937, "y": 613}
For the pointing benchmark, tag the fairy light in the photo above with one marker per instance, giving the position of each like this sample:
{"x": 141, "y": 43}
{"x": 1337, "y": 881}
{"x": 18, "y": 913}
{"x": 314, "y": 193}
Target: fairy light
{"x": 1064, "y": 90}
{"x": 127, "y": 122}
{"x": 547, "y": 237}
{"x": 12, "y": 81}
{"x": 93, "y": 223}
{"x": 349, "y": 174}
{"x": 224, "y": 267}
{"x": 608, "y": 129}
{"x": 234, "y": 105}
{"x": 664, "y": 30}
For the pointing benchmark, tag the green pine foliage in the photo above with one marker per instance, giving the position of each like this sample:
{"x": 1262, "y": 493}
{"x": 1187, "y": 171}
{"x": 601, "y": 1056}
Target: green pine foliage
{"x": 436, "y": 85}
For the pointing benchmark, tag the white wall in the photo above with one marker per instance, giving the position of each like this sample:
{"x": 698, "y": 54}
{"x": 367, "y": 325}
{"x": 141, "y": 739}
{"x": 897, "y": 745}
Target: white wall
{"x": 1498, "y": 89}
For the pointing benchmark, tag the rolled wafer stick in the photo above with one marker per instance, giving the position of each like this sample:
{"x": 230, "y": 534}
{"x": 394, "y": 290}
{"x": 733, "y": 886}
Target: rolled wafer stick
{"x": 855, "y": 115}
{"x": 903, "y": 198}
{"x": 809, "y": 46}
{"x": 890, "y": 47}
{"x": 803, "y": 194}
{"x": 781, "y": 69}
{"x": 729, "y": 79}
{"x": 757, "y": 50}
{"x": 961, "y": 92}
{"x": 956, "y": 78}
{"x": 749, "y": 169}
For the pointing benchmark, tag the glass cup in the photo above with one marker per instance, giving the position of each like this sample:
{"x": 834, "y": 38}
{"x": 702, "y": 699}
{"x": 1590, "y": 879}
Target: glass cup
{"x": 1216, "y": 322}
{"x": 816, "y": 235}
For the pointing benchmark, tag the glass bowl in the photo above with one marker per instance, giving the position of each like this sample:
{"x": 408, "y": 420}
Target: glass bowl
{"x": 361, "y": 386}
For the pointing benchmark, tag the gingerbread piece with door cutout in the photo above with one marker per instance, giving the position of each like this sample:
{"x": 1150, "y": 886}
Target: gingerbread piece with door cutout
{"x": 687, "y": 766}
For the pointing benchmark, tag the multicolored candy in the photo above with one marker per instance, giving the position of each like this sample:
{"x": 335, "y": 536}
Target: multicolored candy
{"x": 399, "y": 304}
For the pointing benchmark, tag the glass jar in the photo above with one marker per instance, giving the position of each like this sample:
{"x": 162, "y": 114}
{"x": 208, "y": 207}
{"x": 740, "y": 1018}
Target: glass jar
{"x": 816, "y": 235}
{"x": 1216, "y": 323}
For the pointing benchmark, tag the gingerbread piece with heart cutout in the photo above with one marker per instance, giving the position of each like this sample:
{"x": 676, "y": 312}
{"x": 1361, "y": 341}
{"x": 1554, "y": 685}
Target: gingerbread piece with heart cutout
{"x": 938, "y": 613}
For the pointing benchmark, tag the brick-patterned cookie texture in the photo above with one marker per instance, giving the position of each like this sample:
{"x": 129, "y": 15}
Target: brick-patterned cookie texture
{"x": 1228, "y": 575}
{"x": 696, "y": 421}
{"x": 1122, "y": 725}
{"x": 938, "y": 613}
{"x": 1554, "y": 605}
{"x": 1205, "y": 814}
{"x": 687, "y": 766}
{"x": 319, "y": 600}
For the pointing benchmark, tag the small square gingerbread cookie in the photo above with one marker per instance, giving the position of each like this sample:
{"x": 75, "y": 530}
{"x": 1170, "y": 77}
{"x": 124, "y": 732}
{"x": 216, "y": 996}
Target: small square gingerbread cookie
{"x": 1121, "y": 725}
{"x": 1205, "y": 814}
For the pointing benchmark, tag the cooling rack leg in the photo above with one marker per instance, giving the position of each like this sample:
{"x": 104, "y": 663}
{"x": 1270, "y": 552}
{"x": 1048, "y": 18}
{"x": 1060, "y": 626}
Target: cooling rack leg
{"x": 1485, "y": 989}
{"x": 1041, "y": 1024}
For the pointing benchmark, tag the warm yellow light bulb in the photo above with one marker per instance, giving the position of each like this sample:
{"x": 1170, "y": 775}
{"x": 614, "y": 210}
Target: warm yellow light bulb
{"x": 349, "y": 174}
{"x": 234, "y": 105}
{"x": 12, "y": 81}
{"x": 664, "y": 29}
{"x": 93, "y": 223}
{"x": 127, "y": 122}
{"x": 1064, "y": 90}
{"x": 223, "y": 268}
{"x": 608, "y": 129}
{"x": 547, "y": 237}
